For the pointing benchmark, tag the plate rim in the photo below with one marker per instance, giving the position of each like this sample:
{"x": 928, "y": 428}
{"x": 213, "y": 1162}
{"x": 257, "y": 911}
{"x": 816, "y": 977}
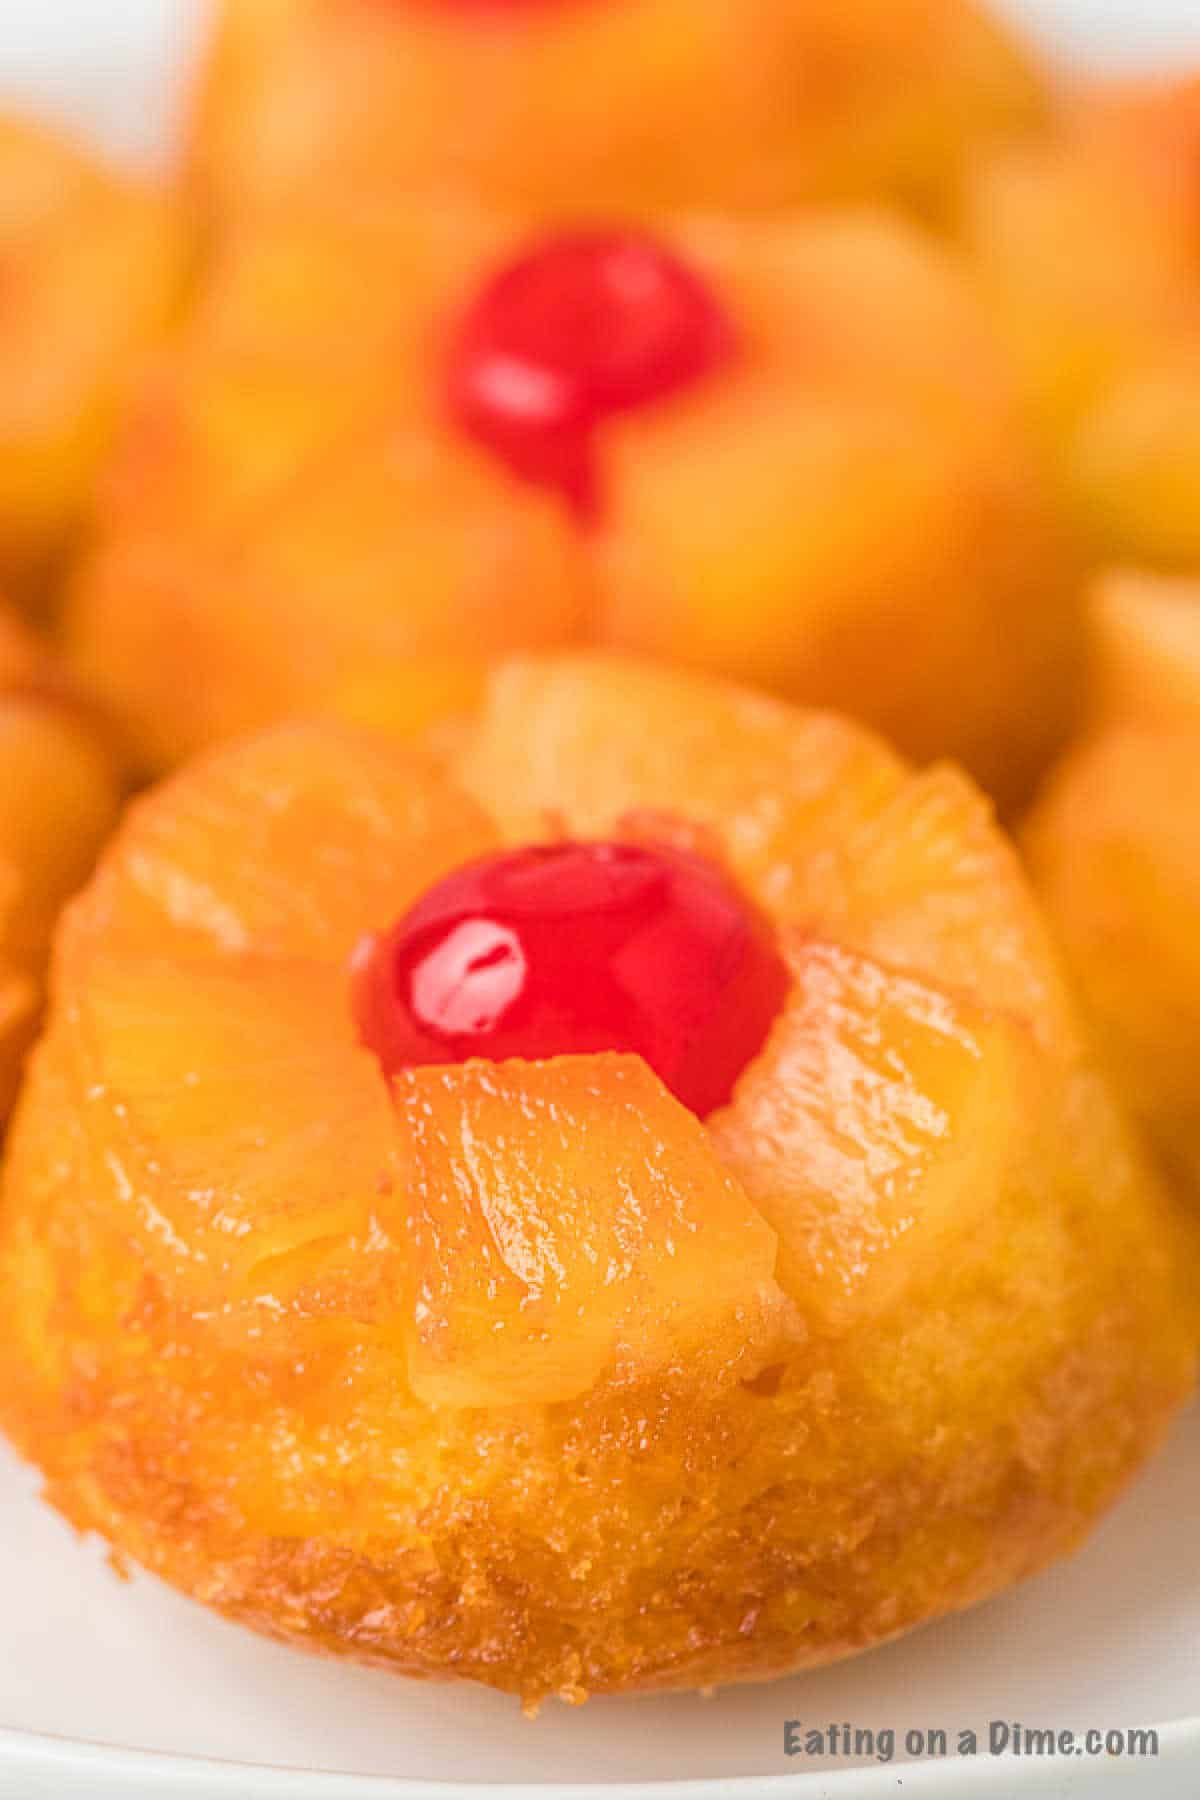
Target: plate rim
{"x": 43, "y": 1753}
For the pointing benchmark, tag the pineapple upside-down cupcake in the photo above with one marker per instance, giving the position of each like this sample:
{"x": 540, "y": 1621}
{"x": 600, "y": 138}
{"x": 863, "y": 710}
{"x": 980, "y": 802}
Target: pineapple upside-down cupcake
{"x": 58, "y": 800}
{"x": 1113, "y": 845}
{"x": 625, "y": 105}
{"x": 620, "y": 1204}
{"x": 786, "y": 451}
{"x": 1090, "y": 248}
{"x": 90, "y": 263}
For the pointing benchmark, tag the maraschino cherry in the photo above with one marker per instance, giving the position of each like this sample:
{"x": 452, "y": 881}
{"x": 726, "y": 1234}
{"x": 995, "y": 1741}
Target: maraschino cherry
{"x": 583, "y": 326}
{"x": 570, "y": 948}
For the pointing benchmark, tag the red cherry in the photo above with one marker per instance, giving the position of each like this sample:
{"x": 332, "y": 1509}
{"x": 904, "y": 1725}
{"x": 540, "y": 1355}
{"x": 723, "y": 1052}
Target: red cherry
{"x": 583, "y": 326}
{"x": 569, "y": 948}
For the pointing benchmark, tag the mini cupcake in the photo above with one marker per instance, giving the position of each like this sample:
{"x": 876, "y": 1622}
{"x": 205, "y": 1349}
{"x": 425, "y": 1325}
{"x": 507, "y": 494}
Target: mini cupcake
{"x": 622, "y": 105}
{"x": 1090, "y": 247}
{"x": 90, "y": 263}
{"x": 58, "y": 801}
{"x": 619, "y": 1204}
{"x": 1114, "y": 848}
{"x": 787, "y": 451}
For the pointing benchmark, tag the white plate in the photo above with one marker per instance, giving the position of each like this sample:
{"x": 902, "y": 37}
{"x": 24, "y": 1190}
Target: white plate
{"x": 127, "y": 1692}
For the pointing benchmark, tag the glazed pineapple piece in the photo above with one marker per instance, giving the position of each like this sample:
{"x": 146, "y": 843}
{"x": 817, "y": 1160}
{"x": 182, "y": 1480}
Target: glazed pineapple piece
{"x": 549, "y": 104}
{"x": 90, "y": 264}
{"x": 646, "y": 1147}
{"x": 1114, "y": 848}
{"x": 1090, "y": 247}
{"x": 58, "y": 801}
{"x": 786, "y": 450}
